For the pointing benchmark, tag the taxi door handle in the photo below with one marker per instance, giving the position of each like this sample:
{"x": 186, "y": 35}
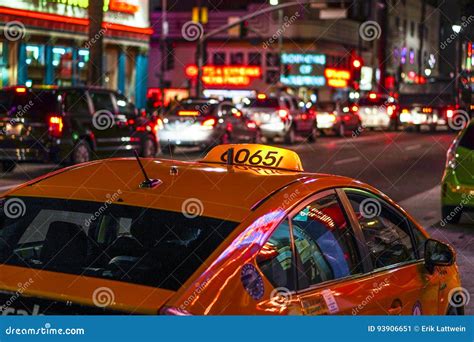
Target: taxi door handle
{"x": 395, "y": 310}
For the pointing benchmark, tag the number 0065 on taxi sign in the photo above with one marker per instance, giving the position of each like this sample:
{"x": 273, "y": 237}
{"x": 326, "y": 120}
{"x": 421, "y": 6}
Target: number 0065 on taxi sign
{"x": 255, "y": 155}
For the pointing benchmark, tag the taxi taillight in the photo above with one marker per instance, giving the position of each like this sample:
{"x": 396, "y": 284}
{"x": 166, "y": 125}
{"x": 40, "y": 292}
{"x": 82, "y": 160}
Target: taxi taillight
{"x": 55, "y": 126}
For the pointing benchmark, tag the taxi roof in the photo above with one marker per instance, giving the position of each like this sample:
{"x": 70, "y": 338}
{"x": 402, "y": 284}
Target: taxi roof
{"x": 225, "y": 192}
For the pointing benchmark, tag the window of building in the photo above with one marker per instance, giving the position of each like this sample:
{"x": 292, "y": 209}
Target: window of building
{"x": 255, "y": 58}
{"x": 386, "y": 231}
{"x": 218, "y": 58}
{"x": 412, "y": 28}
{"x": 273, "y": 59}
{"x": 237, "y": 58}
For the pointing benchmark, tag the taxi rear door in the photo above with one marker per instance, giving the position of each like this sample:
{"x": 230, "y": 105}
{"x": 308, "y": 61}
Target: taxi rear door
{"x": 395, "y": 251}
{"x": 330, "y": 268}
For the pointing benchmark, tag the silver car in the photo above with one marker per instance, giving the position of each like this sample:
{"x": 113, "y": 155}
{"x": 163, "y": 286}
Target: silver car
{"x": 281, "y": 117}
{"x": 204, "y": 123}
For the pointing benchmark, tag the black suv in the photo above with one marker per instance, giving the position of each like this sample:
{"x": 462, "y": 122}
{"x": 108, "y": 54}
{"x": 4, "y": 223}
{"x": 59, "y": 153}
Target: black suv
{"x": 70, "y": 125}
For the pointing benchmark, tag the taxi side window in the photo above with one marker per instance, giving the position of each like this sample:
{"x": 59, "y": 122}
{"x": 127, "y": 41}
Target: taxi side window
{"x": 325, "y": 245}
{"x": 276, "y": 258}
{"x": 386, "y": 232}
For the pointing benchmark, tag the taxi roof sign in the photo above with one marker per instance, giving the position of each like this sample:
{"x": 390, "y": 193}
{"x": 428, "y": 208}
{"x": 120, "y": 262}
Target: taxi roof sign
{"x": 255, "y": 155}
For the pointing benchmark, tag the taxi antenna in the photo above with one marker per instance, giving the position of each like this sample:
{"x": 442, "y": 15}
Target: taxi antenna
{"x": 230, "y": 156}
{"x": 148, "y": 182}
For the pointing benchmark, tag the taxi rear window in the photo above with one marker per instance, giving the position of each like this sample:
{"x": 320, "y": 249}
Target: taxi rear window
{"x": 131, "y": 244}
{"x": 467, "y": 140}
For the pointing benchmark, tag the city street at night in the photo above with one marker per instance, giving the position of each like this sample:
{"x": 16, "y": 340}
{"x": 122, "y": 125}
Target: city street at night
{"x": 237, "y": 159}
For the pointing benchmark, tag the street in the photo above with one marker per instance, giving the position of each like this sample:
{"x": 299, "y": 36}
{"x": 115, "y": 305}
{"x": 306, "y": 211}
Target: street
{"x": 406, "y": 166}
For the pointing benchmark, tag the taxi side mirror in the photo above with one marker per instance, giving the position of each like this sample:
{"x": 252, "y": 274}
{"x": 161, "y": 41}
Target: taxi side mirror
{"x": 438, "y": 253}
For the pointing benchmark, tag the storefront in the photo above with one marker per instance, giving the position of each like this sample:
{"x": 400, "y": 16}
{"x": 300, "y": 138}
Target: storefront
{"x": 46, "y": 42}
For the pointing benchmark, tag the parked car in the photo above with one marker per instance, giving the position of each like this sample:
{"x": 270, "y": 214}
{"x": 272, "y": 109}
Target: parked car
{"x": 336, "y": 117}
{"x": 281, "y": 117}
{"x": 69, "y": 125}
{"x": 378, "y": 110}
{"x": 205, "y": 123}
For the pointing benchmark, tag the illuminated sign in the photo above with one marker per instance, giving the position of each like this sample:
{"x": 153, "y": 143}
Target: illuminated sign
{"x": 303, "y": 69}
{"x": 337, "y": 78}
{"x": 132, "y": 13}
{"x": 228, "y": 75}
{"x": 123, "y": 6}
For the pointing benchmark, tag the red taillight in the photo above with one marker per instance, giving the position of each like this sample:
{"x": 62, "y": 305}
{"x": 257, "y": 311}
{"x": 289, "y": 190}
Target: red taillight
{"x": 304, "y": 116}
{"x": 211, "y": 122}
{"x": 354, "y": 109}
{"x": 55, "y": 127}
{"x": 283, "y": 114}
{"x": 131, "y": 122}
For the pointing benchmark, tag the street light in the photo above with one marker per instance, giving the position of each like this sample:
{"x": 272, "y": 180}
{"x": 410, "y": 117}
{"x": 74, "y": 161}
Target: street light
{"x": 456, "y": 28}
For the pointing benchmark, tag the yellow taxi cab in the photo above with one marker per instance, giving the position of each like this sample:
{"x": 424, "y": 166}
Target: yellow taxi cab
{"x": 244, "y": 231}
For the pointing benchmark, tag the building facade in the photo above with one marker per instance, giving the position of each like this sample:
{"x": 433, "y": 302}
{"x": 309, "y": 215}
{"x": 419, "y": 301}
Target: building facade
{"x": 46, "y": 42}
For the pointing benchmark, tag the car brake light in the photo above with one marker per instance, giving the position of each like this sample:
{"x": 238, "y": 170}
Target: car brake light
{"x": 20, "y": 90}
{"x": 261, "y": 96}
{"x": 211, "y": 122}
{"x": 372, "y": 96}
{"x": 283, "y": 114}
{"x": 354, "y": 109}
{"x": 449, "y": 113}
{"x": 55, "y": 127}
{"x": 188, "y": 113}
{"x": 173, "y": 311}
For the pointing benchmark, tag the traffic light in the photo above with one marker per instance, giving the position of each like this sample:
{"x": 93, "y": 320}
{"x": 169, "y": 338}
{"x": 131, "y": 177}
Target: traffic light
{"x": 243, "y": 29}
{"x": 356, "y": 66}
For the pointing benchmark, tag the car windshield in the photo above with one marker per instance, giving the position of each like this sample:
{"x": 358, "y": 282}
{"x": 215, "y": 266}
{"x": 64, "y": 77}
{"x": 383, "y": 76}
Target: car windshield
{"x": 30, "y": 104}
{"x": 137, "y": 245}
{"x": 325, "y": 106}
{"x": 378, "y": 101}
{"x": 263, "y": 103}
{"x": 467, "y": 140}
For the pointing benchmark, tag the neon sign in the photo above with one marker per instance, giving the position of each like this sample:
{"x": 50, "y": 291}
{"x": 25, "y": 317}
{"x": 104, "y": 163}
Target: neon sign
{"x": 337, "y": 78}
{"x": 122, "y": 6}
{"x": 228, "y": 75}
{"x": 303, "y": 69}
